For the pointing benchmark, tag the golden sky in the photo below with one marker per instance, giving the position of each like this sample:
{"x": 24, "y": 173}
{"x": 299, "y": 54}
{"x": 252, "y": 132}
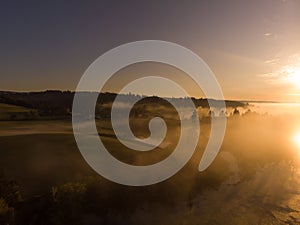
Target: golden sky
{"x": 253, "y": 47}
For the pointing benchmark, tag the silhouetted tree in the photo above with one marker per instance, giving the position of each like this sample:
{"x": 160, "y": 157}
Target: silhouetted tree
{"x": 236, "y": 112}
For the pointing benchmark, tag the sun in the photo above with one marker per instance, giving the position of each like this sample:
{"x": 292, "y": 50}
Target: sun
{"x": 297, "y": 139}
{"x": 293, "y": 75}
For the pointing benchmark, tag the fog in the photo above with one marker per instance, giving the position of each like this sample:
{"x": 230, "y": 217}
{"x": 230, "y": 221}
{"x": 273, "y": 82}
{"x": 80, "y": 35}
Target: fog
{"x": 258, "y": 170}
{"x": 253, "y": 180}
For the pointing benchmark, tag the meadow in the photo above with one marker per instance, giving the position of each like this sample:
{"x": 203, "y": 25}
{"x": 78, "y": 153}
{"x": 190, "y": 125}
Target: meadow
{"x": 254, "y": 178}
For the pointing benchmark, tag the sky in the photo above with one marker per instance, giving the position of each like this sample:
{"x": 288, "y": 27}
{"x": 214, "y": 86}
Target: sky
{"x": 253, "y": 47}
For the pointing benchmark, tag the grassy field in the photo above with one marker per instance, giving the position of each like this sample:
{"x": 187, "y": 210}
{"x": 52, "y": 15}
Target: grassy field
{"x": 39, "y": 161}
{"x": 42, "y": 154}
{"x": 8, "y": 112}
{"x": 42, "y": 158}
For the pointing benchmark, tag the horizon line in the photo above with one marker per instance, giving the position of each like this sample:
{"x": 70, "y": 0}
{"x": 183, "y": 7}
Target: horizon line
{"x": 111, "y": 92}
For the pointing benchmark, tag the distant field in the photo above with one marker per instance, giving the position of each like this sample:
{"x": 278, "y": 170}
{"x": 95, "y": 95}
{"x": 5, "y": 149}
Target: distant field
{"x": 8, "y": 112}
{"x": 7, "y": 108}
{"x": 25, "y": 127}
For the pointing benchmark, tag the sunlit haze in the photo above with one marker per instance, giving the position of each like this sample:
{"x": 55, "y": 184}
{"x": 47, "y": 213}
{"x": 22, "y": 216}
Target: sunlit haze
{"x": 251, "y": 46}
{"x": 103, "y": 120}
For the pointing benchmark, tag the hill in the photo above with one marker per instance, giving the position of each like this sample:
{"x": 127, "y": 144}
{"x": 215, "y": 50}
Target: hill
{"x": 54, "y": 103}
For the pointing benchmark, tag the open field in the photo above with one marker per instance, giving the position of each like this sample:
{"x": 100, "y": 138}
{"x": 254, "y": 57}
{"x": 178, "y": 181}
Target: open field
{"x": 250, "y": 171}
{"x": 8, "y": 112}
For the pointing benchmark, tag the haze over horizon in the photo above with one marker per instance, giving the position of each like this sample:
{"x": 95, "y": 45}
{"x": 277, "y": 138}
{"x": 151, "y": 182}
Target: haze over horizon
{"x": 150, "y": 112}
{"x": 252, "y": 47}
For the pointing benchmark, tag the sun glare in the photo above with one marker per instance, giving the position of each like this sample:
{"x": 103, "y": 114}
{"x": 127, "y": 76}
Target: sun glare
{"x": 293, "y": 75}
{"x": 297, "y": 139}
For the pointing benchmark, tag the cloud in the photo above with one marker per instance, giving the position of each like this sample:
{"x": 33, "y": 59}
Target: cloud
{"x": 268, "y": 34}
{"x": 272, "y": 61}
{"x": 286, "y": 74}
